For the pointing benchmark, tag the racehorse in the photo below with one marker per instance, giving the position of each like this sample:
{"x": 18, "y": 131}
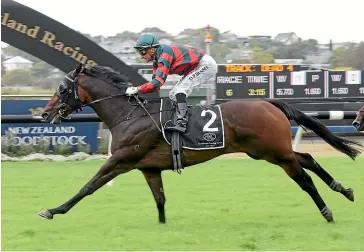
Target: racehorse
{"x": 358, "y": 123}
{"x": 261, "y": 129}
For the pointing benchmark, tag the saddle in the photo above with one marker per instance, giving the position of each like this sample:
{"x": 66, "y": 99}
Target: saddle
{"x": 205, "y": 130}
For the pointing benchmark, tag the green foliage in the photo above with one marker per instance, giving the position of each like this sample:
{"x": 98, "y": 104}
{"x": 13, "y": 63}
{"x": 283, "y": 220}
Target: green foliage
{"x": 18, "y": 77}
{"x": 13, "y": 91}
{"x": 8, "y": 147}
{"x": 241, "y": 61}
{"x": 63, "y": 149}
{"x": 13, "y": 51}
{"x": 330, "y": 45}
{"x": 338, "y": 58}
{"x": 86, "y": 148}
{"x": 261, "y": 57}
{"x": 219, "y": 51}
{"x": 42, "y": 147}
{"x": 358, "y": 62}
{"x": 41, "y": 70}
{"x": 351, "y": 56}
{"x": 258, "y": 57}
{"x": 3, "y": 70}
{"x": 289, "y": 52}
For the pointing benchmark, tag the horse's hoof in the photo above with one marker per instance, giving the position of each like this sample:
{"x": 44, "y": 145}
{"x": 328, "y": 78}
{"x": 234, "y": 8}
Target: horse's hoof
{"x": 349, "y": 194}
{"x": 327, "y": 214}
{"x": 46, "y": 214}
{"x": 330, "y": 219}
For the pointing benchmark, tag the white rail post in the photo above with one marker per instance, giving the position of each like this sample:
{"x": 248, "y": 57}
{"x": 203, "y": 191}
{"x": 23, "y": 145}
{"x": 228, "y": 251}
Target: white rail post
{"x": 297, "y": 138}
{"x": 111, "y": 182}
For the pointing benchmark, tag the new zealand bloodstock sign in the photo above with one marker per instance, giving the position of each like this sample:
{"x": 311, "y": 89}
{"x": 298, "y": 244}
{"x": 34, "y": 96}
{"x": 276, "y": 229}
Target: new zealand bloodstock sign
{"x": 287, "y": 84}
{"x": 71, "y": 134}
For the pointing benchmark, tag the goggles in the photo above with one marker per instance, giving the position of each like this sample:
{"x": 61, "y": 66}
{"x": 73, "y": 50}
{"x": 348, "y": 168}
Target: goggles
{"x": 142, "y": 51}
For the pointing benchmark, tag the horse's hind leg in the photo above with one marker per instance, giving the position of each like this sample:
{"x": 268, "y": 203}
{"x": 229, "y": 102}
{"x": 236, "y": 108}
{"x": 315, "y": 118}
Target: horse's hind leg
{"x": 308, "y": 162}
{"x": 298, "y": 174}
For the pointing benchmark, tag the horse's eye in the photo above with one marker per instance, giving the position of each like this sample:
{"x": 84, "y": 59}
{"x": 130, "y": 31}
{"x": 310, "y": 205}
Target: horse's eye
{"x": 62, "y": 88}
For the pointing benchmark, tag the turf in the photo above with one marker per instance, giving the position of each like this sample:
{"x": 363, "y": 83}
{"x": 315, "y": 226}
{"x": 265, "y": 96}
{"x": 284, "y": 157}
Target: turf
{"x": 224, "y": 204}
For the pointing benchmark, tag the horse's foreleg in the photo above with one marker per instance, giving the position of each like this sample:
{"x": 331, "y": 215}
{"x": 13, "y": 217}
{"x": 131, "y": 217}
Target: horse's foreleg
{"x": 308, "y": 162}
{"x": 108, "y": 171}
{"x": 154, "y": 180}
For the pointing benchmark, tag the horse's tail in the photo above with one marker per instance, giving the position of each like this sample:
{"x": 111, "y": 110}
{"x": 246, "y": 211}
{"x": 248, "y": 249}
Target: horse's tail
{"x": 342, "y": 145}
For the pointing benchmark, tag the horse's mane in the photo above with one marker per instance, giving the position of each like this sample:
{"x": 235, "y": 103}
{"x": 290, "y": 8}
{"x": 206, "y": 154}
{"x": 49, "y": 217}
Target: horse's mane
{"x": 106, "y": 73}
{"x": 113, "y": 77}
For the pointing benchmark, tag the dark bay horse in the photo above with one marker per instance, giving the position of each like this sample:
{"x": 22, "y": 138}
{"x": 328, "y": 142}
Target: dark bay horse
{"x": 261, "y": 129}
{"x": 358, "y": 123}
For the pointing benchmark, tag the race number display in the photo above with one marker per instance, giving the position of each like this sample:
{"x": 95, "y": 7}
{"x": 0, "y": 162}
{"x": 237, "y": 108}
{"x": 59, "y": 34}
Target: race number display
{"x": 346, "y": 83}
{"x": 242, "y": 85}
{"x": 298, "y": 85}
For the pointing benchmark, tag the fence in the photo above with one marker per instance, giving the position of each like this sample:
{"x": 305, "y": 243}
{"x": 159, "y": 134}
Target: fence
{"x": 330, "y": 115}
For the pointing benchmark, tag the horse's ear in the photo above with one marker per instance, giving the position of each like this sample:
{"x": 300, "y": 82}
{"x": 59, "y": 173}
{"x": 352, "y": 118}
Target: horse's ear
{"x": 79, "y": 68}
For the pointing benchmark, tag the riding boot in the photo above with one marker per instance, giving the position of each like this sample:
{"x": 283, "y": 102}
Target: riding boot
{"x": 182, "y": 118}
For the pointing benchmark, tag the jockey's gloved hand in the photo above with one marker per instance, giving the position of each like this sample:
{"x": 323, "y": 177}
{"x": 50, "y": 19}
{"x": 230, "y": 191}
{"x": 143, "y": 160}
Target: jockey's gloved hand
{"x": 131, "y": 90}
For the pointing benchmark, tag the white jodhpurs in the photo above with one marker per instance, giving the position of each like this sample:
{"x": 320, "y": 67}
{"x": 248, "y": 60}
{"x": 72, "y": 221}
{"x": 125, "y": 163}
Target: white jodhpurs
{"x": 206, "y": 69}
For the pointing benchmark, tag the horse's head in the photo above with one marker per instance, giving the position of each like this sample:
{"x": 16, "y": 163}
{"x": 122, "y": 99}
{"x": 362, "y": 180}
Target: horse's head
{"x": 73, "y": 92}
{"x": 358, "y": 123}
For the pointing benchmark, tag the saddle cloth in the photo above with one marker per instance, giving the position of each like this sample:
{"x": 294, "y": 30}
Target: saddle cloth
{"x": 205, "y": 128}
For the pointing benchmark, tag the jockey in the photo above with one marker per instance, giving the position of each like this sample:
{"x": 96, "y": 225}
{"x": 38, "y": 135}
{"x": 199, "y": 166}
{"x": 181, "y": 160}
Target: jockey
{"x": 193, "y": 64}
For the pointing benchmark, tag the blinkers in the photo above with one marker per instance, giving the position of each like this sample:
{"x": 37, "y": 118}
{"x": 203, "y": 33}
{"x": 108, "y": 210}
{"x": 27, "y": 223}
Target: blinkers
{"x": 67, "y": 91}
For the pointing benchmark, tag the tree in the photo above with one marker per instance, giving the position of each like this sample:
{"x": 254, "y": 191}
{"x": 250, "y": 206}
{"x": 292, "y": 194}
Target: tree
{"x": 289, "y": 52}
{"x": 3, "y": 70}
{"x": 219, "y": 51}
{"x": 352, "y": 56}
{"x": 261, "y": 57}
{"x": 330, "y": 45}
{"x": 13, "y": 51}
{"x": 241, "y": 61}
{"x": 42, "y": 70}
{"x": 308, "y": 46}
{"x": 338, "y": 58}
{"x": 359, "y": 57}
{"x": 18, "y": 77}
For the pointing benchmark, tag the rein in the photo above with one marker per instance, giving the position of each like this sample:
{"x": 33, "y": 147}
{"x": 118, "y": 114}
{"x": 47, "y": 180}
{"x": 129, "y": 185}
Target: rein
{"x": 81, "y": 104}
{"x": 128, "y": 117}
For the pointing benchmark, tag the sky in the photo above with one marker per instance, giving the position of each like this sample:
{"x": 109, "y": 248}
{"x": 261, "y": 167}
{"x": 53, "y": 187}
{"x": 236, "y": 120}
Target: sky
{"x": 322, "y": 20}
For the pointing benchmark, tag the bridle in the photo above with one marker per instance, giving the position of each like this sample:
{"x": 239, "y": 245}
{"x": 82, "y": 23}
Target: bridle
{"x": 77, "y": 104}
